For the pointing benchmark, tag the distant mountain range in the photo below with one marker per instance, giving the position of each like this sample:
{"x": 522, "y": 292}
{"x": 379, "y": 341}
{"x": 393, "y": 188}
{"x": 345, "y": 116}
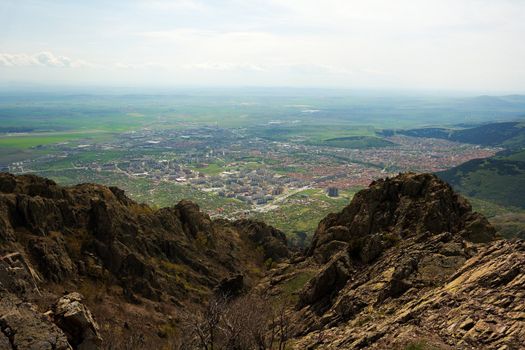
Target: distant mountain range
{"x": 510, "y": 135}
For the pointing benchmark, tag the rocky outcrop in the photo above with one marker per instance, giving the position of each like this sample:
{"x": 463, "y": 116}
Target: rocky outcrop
{"x": 77, "y": 322}
{"x": 271, "y": 240}
{"x": 420, "y": 216}
{"x": 16, "y": 276}
{"x": 23, "y": 327}
{"x": 56, "y": 239}
{"x": 68, "y": 326}
{"x": 407, "y": 262}
{"x": 92, "y": 230}
{"x": 479, "y": 306}
{"x": 394, "y": 208}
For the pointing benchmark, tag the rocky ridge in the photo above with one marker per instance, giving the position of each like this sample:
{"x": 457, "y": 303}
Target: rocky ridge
{"x": 406, "y": 263}
{"x": 120, "y": 255}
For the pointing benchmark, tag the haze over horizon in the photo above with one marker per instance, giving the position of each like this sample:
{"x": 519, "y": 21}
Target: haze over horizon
{"x": 406, "y": 45}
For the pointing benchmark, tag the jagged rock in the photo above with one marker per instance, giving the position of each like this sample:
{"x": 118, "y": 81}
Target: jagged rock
{"x": 406, "y": 261}
{"x": 412, "y": 265}
{"x": 478, "y": 304}
{"x": 7, "y": 233}
{"x": 52, "y": 258}
{"x": 328, "y": 281}
{"x": 272, "y": 241}
{"x": 477, "y": 229}
{"x": 327, "y": 251}
{"x": 77, "y": 322}
{"x": 16, "y": 275}
{"x": 193, "y": 220}
{"x": 409, "y": 204}
{"x": 96, "y": 231}
{"x": 30, "y": 185}
{"x": 23, "y": 327}
{"x": 7, "y": 183}
{"x": 117, "y": 251}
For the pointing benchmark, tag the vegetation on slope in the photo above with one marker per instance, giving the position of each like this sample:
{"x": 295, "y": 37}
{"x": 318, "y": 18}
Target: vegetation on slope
{"x": 500, "y": 179}
{"x": 507, "y": 134}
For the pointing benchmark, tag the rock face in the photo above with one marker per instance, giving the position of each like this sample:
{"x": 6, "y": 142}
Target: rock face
{"x": 16, "y": 276}
{"x": 93, "y": 237}
{"x": 23, "y": 327}
{"x": 407, "y": 262}
{"x": 91, "y": 230}
{"x": 479, "y": 306}
{"x": 406, "y": 205}
{"x": 77, "y": 322}
{"x": 271, "y": 240}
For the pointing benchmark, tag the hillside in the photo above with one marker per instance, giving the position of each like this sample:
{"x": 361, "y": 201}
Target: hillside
{"x": 355, "y": 142}
{"x": 133, "y": 265}
{"x": 407, "y": 264}
{"x": 500, "y": 179}
{"x": 497, "y": 188}
{"x": 508, "y": 134}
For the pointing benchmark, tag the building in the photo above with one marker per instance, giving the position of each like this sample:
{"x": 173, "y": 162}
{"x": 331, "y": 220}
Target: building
{"x": 332, "y": 192}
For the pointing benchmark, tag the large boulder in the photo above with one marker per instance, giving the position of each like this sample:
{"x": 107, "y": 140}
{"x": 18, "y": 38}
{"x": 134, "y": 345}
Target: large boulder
{"x": 23, "y": 327}
{"x": 75, "y": 319}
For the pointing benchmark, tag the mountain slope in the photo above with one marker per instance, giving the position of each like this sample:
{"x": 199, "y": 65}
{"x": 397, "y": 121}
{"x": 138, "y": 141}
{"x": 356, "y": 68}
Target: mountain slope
{"x": 499, "y": 179}
{"x": 506, "y": 134}
{"x": 406, "y": 263}
{"x": 133, "y": 264}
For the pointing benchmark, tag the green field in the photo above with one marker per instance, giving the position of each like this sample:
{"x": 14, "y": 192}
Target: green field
{"x": 300, "y": 214}
{"x": 355, "y": 142}
{"x": 41, "y": 139}
{"x": 310, "y": 115}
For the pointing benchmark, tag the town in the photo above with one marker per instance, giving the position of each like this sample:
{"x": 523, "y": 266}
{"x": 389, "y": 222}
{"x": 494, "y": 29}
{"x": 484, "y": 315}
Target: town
{"x": 233, "y": 163}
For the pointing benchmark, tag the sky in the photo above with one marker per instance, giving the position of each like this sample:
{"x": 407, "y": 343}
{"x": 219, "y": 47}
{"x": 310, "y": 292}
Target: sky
{"x": 457, "y": 45}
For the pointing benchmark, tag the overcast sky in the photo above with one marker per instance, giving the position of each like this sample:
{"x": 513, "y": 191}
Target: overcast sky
{"x": 476, "y": 45}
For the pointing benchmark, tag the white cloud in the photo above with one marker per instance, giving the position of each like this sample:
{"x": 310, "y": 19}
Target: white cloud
{"x": 466, "y": 44}
{"x": 14, "y": 60}
{"x": 41, "y": 59}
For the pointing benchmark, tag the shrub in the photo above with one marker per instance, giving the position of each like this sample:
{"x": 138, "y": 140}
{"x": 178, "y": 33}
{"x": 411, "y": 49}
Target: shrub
{"x": 248, "y": 322}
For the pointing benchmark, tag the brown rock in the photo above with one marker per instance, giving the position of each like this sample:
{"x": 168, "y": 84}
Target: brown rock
{"x": 23, "y": 327}
{"x": 77, "y": 322}
{"x": 408, "y": 204}
{"x": 272, "y": 241}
